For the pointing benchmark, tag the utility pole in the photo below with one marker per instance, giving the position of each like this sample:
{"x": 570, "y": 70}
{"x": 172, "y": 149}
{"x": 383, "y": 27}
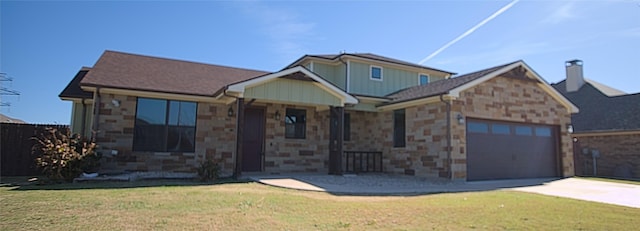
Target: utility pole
{"x": 4, "y": 90}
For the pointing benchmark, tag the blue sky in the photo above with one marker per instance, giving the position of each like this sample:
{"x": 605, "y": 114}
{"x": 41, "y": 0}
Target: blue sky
{"x": 44, "y": 44}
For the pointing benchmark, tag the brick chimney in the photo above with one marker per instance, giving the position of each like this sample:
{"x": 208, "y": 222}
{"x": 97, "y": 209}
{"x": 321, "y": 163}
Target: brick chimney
{"x": 575, "y": 79}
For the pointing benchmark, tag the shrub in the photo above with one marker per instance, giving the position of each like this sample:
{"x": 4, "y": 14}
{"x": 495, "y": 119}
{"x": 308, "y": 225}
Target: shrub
{"x": 209, "y": 170}
{"x": 64, "y": 156}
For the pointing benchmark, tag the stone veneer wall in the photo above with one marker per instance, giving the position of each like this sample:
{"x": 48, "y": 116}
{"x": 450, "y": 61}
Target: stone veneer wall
{"x": 501, "y": 98}
{"x": 515, "y": 100}
{"x": 296, "y": 155}
{"x": 619, "y": 155}
{"x": 425, "y": 152}
{"x": 215, "y": 139}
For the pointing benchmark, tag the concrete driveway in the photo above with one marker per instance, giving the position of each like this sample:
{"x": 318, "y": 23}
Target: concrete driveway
{"x": 589, "y": 190}
{"x": 385, "y": 184}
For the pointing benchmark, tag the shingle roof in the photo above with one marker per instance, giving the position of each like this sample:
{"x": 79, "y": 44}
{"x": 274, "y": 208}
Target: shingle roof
{"x": 368, "y": 56}
{"x": 73, "y": 90}
{"x": 599, "y": 112}
{"x": 138, "y": 72}
{"x": 440, "y": 87}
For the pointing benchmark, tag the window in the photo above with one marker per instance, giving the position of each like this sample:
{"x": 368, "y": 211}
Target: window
{"x": 524, "y": 130}
{"x": 501, "y": 129}
{"x": 295, "y": 123}
{"x": 376, "y": 73}
{"x": 165, "y": 126}
{"x": 399, "y": 128}
{"x": 424, "y": 79}
{"x": 347, "y": 127}
{"x": 477, "y": 127}
{"x": 543, "y": 131}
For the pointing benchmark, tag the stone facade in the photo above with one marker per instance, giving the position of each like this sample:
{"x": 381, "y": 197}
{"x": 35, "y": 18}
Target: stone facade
{"x": 619, "y": 155}
{"x": 215, "y": 139}
{"x": 425, "y": 154}
{"x": 501, "y": 98}
{"x": 515, "y": 100}
{"x": 296, "y": 155}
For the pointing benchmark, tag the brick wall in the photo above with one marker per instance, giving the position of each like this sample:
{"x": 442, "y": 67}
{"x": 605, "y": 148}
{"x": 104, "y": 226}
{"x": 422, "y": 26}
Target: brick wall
{"x": 619, "y": 155}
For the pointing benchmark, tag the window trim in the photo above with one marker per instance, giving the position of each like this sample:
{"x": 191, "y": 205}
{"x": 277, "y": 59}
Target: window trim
{"x": 371, "y": 72}
{"x": 420, "y": 79}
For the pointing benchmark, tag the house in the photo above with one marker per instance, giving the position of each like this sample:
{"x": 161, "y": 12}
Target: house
{"x": 607, "y": 126}
{"x": 348, "y": 112}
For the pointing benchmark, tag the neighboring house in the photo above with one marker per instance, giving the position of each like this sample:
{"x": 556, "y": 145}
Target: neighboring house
{"x": 7, "y": 119}
{"x": 325, "y": 114}
{"x": 608, "y": 125}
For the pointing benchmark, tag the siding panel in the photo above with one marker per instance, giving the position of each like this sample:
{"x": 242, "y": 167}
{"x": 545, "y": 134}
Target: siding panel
{"x": 296, "y": 91}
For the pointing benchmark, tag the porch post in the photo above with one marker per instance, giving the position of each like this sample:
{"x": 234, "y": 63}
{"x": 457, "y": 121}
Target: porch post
{"x": 239, "y": 134}
{"x": 336, "y": 136}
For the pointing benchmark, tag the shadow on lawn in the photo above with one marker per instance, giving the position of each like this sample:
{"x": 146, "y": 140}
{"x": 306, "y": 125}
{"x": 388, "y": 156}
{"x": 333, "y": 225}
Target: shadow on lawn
{"x": 27, "y": 183}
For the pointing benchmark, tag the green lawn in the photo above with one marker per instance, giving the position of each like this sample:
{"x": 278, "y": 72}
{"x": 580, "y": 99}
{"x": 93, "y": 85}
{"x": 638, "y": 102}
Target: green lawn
{"x": 614, "y": 180}
{"x": 252, "y": 206}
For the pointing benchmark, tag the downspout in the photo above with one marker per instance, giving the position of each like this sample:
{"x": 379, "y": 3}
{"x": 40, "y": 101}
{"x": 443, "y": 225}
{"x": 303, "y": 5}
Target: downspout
{"x": 83, "y": 125}
{"x": 96, "y": 115}
{"x": 346, "y": 74}
{"x": 450, "y": 171}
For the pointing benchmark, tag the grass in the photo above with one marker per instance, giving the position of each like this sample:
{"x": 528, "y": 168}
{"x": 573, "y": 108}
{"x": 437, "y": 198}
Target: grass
{"x": 171, "y": 205}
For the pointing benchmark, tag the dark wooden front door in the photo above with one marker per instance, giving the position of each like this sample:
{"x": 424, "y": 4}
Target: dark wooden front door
{"x": 253, "y": 139}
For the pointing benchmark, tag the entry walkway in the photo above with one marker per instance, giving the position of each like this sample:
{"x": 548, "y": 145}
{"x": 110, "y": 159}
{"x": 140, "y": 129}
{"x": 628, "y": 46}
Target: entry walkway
{"x": 386, "y": 184}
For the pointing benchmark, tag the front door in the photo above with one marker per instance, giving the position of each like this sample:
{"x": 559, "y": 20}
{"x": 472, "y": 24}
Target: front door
{"x": 253, "y": 139}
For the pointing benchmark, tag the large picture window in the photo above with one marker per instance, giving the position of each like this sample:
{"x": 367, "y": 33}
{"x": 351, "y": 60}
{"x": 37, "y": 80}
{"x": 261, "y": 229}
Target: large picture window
{"x": 399, "y": 128}
{"x": 295, "y": 123}
{"x": 165, "y": 126}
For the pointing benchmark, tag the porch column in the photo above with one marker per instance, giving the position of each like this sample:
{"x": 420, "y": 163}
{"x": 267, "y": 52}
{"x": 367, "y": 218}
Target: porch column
{"x": 239, "y": 137}
{"x": 336, "y": 138}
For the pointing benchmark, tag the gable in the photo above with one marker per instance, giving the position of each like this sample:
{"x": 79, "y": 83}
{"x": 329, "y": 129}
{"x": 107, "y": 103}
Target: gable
{"x": 304, "y": 85}
{"x": 291, "y": 90}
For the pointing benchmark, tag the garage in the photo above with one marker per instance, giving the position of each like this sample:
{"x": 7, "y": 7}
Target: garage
{"x": 504, "y": 150}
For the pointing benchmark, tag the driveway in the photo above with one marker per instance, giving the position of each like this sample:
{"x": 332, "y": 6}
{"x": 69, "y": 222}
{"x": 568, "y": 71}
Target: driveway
{"x": 589, "y": 190}
{"x": 385, "y": 184}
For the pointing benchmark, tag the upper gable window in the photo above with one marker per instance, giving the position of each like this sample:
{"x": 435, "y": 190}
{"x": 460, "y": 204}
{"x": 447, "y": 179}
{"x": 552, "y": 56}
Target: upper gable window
{"x": 423, "y": 79}
{"x": 375, "y": 73}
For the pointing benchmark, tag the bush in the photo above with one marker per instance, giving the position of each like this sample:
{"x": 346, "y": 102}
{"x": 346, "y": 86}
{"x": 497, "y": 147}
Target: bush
{"x": 64, "y": 156}
{"x": 209, "y": 170}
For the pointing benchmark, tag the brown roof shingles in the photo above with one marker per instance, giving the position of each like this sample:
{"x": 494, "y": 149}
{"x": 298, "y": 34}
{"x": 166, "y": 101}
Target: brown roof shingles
{"x": 440, "y": 87}
{"x": 138, "y": 72}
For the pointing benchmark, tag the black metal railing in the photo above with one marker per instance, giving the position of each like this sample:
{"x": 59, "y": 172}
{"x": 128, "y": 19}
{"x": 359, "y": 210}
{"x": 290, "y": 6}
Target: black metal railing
{"x": 363, "y": 161}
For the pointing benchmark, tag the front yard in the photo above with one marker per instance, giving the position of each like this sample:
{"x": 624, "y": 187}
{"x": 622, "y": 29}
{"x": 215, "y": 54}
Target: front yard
{"x": 252, "y": 206}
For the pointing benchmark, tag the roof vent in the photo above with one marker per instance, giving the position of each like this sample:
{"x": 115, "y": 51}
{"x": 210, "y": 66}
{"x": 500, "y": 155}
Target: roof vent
{"x": 575, "y": 78}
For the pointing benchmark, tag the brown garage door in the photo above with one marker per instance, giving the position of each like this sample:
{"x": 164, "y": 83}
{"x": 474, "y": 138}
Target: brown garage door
{"x": 503, "y": 150}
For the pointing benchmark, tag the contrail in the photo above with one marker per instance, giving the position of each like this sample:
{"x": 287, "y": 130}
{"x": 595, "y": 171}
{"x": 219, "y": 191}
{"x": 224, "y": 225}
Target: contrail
{"x": 468, "y": 32}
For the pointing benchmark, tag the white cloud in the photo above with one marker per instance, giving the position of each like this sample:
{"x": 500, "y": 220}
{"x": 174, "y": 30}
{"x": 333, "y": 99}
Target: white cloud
{"x": 287, "y": 33}
{"x": 564, "y": 12}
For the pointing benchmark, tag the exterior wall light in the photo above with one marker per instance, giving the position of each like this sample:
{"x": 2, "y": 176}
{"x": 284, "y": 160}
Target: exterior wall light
{"x": 115, "y": 102}
{"x": 569, "y": 128}
{"x": 460, "y": 119}
{"x": 230, "y": 112}
{"x": 277, "y": 115}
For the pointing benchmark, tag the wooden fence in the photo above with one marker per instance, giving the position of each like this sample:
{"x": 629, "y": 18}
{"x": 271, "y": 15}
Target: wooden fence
{"x": 16, "y": 157}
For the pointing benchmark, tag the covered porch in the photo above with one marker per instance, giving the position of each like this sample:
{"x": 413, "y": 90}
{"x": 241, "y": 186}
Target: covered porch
{"x": 291, "y": 121}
